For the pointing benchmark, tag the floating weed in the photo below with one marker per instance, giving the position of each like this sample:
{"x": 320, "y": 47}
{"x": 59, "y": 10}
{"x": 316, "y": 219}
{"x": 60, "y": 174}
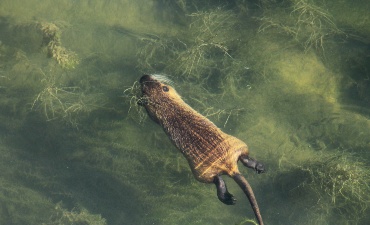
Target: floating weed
{"x": 134, "y": 98}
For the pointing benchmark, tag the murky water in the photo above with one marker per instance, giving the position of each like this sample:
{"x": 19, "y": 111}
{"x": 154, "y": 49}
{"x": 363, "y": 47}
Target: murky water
{"x": 290, "y": 78}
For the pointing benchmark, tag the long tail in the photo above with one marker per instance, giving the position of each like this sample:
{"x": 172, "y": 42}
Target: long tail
{"x": 243, "y": 183}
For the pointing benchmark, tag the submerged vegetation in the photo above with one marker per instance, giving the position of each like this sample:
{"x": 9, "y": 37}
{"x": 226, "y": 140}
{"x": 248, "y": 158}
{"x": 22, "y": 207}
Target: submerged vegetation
{"x": 338, "y": 182}
{"x": 255, "y": 71}
{"x": 60, "y": 102}
{"x": 133, "y": 96}
{"x": 76, "y": 216}
{"x": 304, "y": 20}
{"x": 211, "y": 42}
{"x": 197, "y": 54}
{"x": 52, "y": 40}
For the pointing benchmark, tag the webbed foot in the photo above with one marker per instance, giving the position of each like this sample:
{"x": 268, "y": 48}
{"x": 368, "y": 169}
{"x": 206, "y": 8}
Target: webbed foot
{"x": 253, "y": 164}
{"x": 222, "y": 192}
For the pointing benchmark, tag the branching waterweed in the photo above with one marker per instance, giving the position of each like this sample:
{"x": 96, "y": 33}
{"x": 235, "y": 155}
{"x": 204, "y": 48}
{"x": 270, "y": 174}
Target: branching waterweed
{"x": 133, "y": 96}
{"x": 63, "y": 102}
{"x": 308, "y": 23}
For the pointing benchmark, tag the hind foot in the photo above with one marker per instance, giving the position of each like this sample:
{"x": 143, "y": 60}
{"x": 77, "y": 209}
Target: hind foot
{"x": 222, "y": 192}
{"x": 253, "y": 164}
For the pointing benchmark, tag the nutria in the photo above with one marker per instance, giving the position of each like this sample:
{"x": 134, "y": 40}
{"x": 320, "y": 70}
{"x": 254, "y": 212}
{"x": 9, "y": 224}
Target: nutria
{"x": 209, "y": 151}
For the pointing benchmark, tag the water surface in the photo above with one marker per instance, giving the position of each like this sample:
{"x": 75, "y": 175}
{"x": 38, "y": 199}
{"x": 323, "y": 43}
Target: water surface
{"x": 290, "y": 78}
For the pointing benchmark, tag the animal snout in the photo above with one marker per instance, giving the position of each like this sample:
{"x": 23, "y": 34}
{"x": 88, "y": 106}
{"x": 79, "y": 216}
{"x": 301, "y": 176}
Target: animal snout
{"x": 144, "y": 78}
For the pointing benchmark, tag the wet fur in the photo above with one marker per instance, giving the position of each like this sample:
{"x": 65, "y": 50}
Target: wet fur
{"x": 209, "y": 151}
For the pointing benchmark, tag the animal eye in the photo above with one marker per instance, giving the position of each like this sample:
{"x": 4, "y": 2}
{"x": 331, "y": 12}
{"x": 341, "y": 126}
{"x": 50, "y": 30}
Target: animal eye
{"x": 165, "y": 88}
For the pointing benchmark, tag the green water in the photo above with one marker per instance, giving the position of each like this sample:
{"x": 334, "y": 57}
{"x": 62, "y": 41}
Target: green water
{"x": 290, "y": 78}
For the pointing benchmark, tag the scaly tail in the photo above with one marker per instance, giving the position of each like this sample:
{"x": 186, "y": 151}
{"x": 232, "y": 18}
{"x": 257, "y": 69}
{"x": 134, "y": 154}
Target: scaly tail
{"x": 243, "y": 183}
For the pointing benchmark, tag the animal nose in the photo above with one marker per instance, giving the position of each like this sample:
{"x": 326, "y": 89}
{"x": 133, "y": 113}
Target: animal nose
{"x": 144, "y": 78}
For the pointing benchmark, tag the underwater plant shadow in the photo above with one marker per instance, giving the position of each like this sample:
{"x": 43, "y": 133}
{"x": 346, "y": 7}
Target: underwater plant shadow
{"x": 59, "y": 178}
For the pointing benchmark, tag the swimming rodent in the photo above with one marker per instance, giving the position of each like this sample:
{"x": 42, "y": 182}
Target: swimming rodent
{"x": 209, "y": 151}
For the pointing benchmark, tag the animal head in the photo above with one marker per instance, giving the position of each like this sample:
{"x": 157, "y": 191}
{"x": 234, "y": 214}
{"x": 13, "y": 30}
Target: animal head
{"x": 158, "y": 96}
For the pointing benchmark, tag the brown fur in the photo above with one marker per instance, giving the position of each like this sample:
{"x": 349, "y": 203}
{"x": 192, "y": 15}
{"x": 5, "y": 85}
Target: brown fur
{"x": 209, "y": 151}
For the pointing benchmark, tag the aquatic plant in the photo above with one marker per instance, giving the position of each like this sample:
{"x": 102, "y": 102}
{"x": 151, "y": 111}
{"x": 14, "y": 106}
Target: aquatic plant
{"x": 57, "y": 101}
{"x": 337, "y": 183}
{"x": 197, "y": 53}
{"x": 315, "y": 21}
{"x": 155, "y": 54}
{"x": 133, "y": 96}
{"x": 206, "y": 52}
{"x": 304, "y": 20}
{"x": 247, "y": 221}
{"x": 52, "y": 39}
{"x": 344, "y": 179}
{"x": 210, "y": 37}
{"x": 219, "y": 113}
{"x": 79, "y": 215}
